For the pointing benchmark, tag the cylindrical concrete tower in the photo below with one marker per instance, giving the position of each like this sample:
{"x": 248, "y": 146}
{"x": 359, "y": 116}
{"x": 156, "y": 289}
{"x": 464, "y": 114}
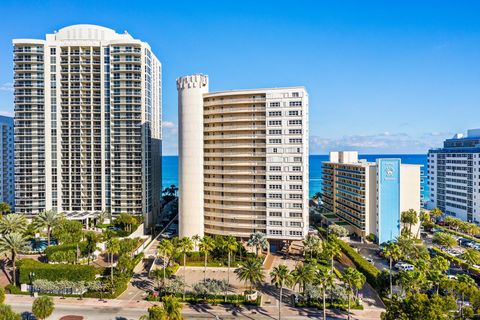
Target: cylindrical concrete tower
{"x": 190, "y": 148}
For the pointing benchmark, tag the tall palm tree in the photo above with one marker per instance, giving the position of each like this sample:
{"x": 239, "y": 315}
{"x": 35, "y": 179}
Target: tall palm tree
{"x": 464, "y": 285}
{"x": 13, "y": 223}
{"x": 472, "y": 256}
{"x": 316, "y": 196}
{"x": 332, "y": 250}
{"x": 113, "y": 247}
{"x": 409, "y": 218}
{"x": 324, "y": 278}
{"x": 4, "y": 208}
{"x": 186, "y": 245}
{"x": 165, "y": 248}
{"x": 354, "y": 280}
{"x": 47, "y": 219}
{"x": 196, "y": 240}
{"x": 206, "y": 246}
{"x": 281, "y": 277}
{"x": 231, "y": 245}
{"x": 259, "y": 241}
{"x": 13, "y": 243}
{"x": 303, "y": 274}
{"x": 393, "y": 253}
{"x": 251, "y": 272}
{"x": 172, "y": 307}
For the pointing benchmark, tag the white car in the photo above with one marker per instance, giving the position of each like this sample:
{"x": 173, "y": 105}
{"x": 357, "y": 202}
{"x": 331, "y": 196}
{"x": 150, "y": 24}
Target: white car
{"x": 406, "y": 267}
{"x": 399, "y": 264}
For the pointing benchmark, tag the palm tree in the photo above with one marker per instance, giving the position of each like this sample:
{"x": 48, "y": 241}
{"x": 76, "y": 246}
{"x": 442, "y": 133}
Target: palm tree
{"x": 13, "y": 223}
{"x": 472, "y": 256}
{"x": 206, "y": 245}
{"x": 13, "y": 243}
{"x": 47, "y": 219}
{"x": 316, "y": 196}
{"x": 324, "y": 278}
{"x": 43, "y": 307}
{"x": 250, "y": 271}
{"x": 303, "y": 274}
{"x": 444, "y": 239}
{"x": 281, "y": 277}
{"x": 172, "y": 307}
{"x": 113, "y": 247}
{"x": 4, "y": 208}
{"x": 436, "y": 213}
{"x": 165, "y": 248}
{"x": 354, "y": 280}
{"x": 393, "y": 252}
{"x": 464, "y": 285}
{"x": 186, "y": 245}
{"x": 259, "y": 241}
{"x": 231, "y": 245}
{"x": 332, "y": 250}
{"x": 196, "y": 240}
{"x": 91, "y": 239}
{"x": 409, "y": 218}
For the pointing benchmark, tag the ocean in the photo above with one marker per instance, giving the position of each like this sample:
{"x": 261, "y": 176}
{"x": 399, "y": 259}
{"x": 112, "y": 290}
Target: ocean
{"x": 170, "y": 169}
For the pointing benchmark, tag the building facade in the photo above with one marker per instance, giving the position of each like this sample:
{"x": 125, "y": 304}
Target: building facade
{"x": 7, "y": 188}
{"x": 370, "y": 196}
{"x": 243, "y": 161}
{"x": 87, "y": 124}
{"x": 454, "y": 176}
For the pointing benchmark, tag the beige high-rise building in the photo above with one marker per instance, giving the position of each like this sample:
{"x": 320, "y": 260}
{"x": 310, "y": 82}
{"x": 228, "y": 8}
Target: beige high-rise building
{"x": 87, "y": 124}
{"x": 243, "y": 164}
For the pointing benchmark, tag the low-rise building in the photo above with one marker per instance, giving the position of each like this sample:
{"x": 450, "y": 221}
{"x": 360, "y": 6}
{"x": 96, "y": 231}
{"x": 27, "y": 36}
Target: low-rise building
{"x": 370, "y": 196}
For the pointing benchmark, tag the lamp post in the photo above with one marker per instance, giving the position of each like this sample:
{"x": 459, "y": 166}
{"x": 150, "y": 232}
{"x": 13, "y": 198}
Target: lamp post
{"x": 32, "y": 276}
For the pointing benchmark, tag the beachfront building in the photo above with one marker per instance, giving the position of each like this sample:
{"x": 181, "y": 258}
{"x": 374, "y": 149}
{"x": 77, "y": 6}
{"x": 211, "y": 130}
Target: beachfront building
{"x": 243, "y": 161}
{"x": 368, "y": 197}
{"x": 7, "y": 185}
{"x": 454, "y": 176}
{"x": 87, "y": 124}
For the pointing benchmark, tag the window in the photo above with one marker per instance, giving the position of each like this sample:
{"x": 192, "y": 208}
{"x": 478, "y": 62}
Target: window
{"x": 295, "y": 140}
{"x": 275, "y": 196}
{"x": 277, "y": 178}
{"x": 296, "y": 178}
{"x": 274, "y": 104}
{"x": 296, "y": 168}
{"x": 295, "y": 103}
{"x": 275, "y": 122}
{"x": 275, "y": 168}
{"x": 275, "y": 214}
{"x": 294, "y": 122}
{"x": 295, "y": 196}
{"x": 275, "y": 187}
{"x": 275, "y": 232}
{"x": 296, "y": 233}
{"x": 295, "y": 214}
{"x": 295, "y": 94}
{"x": 276, "y": 223}
{"x": 297, "y": 159}
{"x": 275, "y": 114}
{"x": 275, "y": 131}
{"x": 275, "y": 205}
{"x": 277, "y": 141}
{"x": 52, "y": 50}
{"x": 297, "y": 205}
{"x": 295, "y": 224}
{"x": 295, "y": 131}
{"x": 293, "y": 113}
{"x": 295, "y": 187}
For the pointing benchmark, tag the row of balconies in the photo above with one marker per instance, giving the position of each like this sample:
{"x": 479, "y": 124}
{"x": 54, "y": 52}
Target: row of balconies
{"x": 229, "y": 101}
{"x": 247, "y": 127}
{"x": 221, "y": 110}
{"x": 260, "y": 119}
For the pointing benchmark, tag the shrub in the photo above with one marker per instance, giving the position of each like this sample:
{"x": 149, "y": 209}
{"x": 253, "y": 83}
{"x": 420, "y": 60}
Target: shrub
{"x": 66, "y": 252}
{"x": 55, "y": 272}
{"x": 2, "y": 295}
{"x": 365, "y": 267}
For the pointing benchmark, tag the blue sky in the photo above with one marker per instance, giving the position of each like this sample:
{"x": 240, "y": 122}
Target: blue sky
{"x": 383, "y": 76}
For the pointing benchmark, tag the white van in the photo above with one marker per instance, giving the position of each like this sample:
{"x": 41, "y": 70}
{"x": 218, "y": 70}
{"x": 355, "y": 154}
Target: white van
{"x": 406, "y": 267}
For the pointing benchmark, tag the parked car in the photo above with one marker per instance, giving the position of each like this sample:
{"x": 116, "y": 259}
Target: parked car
{"x": 370, "y": 260}
{"x": 399, "y": 264}
{"x": 406, "y": 267}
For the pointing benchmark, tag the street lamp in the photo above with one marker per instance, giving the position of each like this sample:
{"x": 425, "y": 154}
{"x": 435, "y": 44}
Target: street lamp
{"x": 32, "y": 276}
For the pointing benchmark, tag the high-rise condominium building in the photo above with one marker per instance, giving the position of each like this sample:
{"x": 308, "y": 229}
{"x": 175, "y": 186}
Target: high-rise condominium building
{"x": 7, "y": 187}
{"x": 243, "y": 164}
{"x": 454, "y": 176}
{"x": 87, "y": 124}
{"x": 370, "y": 196}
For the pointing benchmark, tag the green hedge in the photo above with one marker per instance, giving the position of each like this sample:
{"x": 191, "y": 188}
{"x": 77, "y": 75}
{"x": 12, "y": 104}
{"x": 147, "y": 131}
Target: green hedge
{"x": 365, "y": 267}
{"x": 53, "y": 253}
{"x": 55, "y": 272}
{"x": 463, "y": 235}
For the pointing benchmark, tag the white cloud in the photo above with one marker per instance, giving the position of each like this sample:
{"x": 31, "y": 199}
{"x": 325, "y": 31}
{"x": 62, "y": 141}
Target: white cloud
{"x": 384, "y": 142}
{"x": 7, "y": 86}
{"x": 168, "y": 124}
{"x": 170, "y": 138}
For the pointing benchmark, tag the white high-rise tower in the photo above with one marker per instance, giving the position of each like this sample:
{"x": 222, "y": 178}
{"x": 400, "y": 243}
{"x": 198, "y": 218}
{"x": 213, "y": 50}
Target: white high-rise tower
{"x": 87, "y": 124}
{"x": 243, "y": 161}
